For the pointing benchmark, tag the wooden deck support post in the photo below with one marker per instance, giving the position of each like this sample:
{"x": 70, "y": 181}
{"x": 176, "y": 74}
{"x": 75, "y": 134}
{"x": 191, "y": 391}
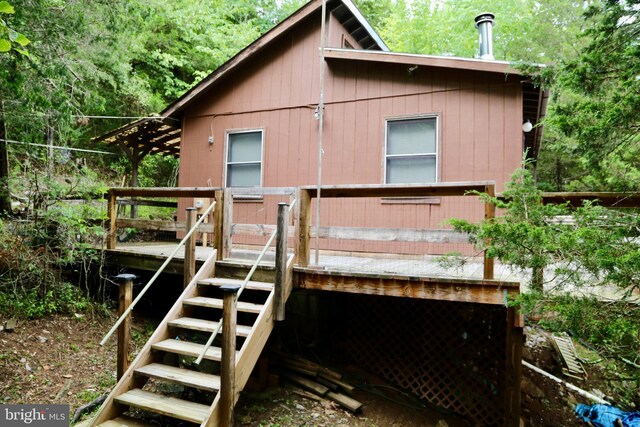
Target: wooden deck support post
{"x": 125, "y": 294}
{"x": 190, "y": 249}
{"x": 228, "y": 360}
{"x": 112, "y": 211}
{"x": 280, "y": 295}
{"x": 513, "y": 368}
{"x": 304, "y": 227}
{"x": 218, "y": 218}
{"x": 489, "y": 214}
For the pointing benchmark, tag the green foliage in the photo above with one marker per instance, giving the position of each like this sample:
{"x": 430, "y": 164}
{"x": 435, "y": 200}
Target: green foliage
{"x": 521, "y": 237}
{"x": 158, "y": 171}
{"x": 29, "y": 280}
{"x": 569, "y": 253}
{"x": 179, "y": 45}
{"x": 524, "y": 31}
{"x": 10, "y": 38}
{"x": 53, "y": 240}
{"x": 62, "y": 299}
{"x": 610, "y": 326}
{"x": 116, "y": 58}
{"x": 596, "y": 111}
{"x": 589, "y": 245}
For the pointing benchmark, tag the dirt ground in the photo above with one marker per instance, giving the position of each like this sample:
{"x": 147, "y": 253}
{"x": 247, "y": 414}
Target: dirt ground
{"x": 59, "y": 360}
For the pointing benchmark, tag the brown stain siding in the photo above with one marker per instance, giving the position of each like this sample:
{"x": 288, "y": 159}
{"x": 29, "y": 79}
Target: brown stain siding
{"x": 480, "y": 137}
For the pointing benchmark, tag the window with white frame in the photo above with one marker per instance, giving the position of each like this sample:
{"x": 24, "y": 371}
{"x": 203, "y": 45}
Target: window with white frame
{"x": 244, "y": 159}
{"x": 411, "y": 151}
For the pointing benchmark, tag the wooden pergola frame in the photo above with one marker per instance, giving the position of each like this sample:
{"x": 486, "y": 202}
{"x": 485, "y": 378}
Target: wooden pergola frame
{"x": 145, "y": 136}
{"x": 142, "y": 137}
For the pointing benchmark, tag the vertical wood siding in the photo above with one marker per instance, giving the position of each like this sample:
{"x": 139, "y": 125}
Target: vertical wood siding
{"x": 480, "y": 137}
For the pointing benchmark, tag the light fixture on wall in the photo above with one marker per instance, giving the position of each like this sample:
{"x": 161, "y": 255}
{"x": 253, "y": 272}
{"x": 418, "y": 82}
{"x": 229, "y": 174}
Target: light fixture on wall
{"x": 316, "y": 113}
{"x": 527, "y": 126}
{"x": 210, "y": 140}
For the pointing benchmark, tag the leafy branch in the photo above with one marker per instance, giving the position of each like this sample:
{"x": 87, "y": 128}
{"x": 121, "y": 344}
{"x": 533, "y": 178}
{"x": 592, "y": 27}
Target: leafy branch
{"x": 9, "y": 38}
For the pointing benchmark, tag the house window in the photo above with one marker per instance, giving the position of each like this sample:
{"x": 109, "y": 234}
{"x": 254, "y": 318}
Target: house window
{"x": 244, "y": 159}
{"x": 411, "y": 151}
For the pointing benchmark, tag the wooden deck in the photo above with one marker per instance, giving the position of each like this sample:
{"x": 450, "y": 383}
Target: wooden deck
{"x": 374, "y": 274}
{"x": 426, "y": 266}
{"x": 474, "y": 293}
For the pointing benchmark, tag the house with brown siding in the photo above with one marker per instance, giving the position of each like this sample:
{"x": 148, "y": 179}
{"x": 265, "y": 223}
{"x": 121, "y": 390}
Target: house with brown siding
{"x": 388, "y": 118}
{"x": 376, "y": 150}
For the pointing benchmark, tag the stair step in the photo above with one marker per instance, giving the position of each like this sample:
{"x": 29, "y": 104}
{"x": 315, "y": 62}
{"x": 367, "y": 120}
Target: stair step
{"x": 246, "y": 307}
{"x": 205, "y": 325}
{"x": 123, "y": 421}
{"x": 187, "y": 348}
{"x": 186, "y": 377}
{"x": 256, "y": 286}
{"x": 171, "y": 406}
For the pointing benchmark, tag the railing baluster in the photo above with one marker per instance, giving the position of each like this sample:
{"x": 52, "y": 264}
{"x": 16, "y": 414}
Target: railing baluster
{"x": 113, "y": 217}
{"x": 190, "y": 249}
{"x": 218, "y": 222}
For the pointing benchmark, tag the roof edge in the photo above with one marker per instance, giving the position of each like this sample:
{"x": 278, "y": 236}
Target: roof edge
{"x": 367, "y": 26}
{"x": 268, "y": 37}
{"x": 426, "y": 60}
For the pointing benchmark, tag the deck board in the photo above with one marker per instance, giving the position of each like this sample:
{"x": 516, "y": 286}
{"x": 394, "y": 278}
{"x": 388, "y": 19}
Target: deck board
{"x": 334, "y": 261}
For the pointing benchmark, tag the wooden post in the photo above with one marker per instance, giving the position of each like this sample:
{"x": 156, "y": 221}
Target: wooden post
{"x": 489, "y": 214}
{"x": 125, "y": 293}
{"x": 228, "y": 361}
{"x": 513, "y": 368}
{"x": 113, "y": 216}
{"x": 218, "y": 219}
{"x": 190, "y": 249}
{"x": 304, "y": 224}
{"x": 227, "y": 224}
{"x": 135, "y": 165}
{"x": 281, "y": 261}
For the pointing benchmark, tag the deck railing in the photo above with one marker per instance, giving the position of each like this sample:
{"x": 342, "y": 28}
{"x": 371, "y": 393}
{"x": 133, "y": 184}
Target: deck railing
{"x": 131, "y": 196}
{"x": 225, "y": 226}
{"x": 282, "y": 280}
{"x": 151, "y": 281}
{"x": 305, "y": 232}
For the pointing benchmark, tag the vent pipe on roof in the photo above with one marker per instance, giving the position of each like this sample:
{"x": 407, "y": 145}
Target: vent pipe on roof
{"x": 484, "y": 24}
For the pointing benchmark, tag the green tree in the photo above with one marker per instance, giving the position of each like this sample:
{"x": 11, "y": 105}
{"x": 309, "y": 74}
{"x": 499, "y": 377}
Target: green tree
{"x": 598, "y": 104}
{"x": 524, "y": 31}
{"x": 589, "y": 245}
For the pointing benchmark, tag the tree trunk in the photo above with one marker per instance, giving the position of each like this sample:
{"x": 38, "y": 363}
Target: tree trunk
{"x": 537, "y": 279}
{"x": 5, "y": 193}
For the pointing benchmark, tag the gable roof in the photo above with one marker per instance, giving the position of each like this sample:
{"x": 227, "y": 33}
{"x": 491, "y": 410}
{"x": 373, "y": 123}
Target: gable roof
{"x": 344, "y": 10}
{"x": 373, "y": 49}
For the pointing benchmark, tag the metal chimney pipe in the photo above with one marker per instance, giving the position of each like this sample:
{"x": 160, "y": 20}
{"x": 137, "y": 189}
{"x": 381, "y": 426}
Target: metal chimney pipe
{"x": 484, "y": 24}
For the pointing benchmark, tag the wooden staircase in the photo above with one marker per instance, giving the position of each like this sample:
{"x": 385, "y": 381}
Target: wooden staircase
{"x": 164, "y": 380}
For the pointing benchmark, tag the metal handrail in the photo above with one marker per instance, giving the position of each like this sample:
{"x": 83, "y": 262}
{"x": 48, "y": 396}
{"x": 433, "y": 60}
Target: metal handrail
{"x": 155, "y": 276}
{"x": 244, "y": 284}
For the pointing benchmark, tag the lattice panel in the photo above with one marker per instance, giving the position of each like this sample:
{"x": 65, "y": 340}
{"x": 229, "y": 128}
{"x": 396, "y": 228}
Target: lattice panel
{"x": 451, "y": 354}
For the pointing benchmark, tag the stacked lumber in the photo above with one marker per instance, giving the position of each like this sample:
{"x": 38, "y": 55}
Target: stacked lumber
{"x": 317, "y": 381}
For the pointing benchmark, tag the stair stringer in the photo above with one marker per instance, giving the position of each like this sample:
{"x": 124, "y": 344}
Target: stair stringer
{"x": 110, "y": 409}
{"x": 247, "y": 357}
